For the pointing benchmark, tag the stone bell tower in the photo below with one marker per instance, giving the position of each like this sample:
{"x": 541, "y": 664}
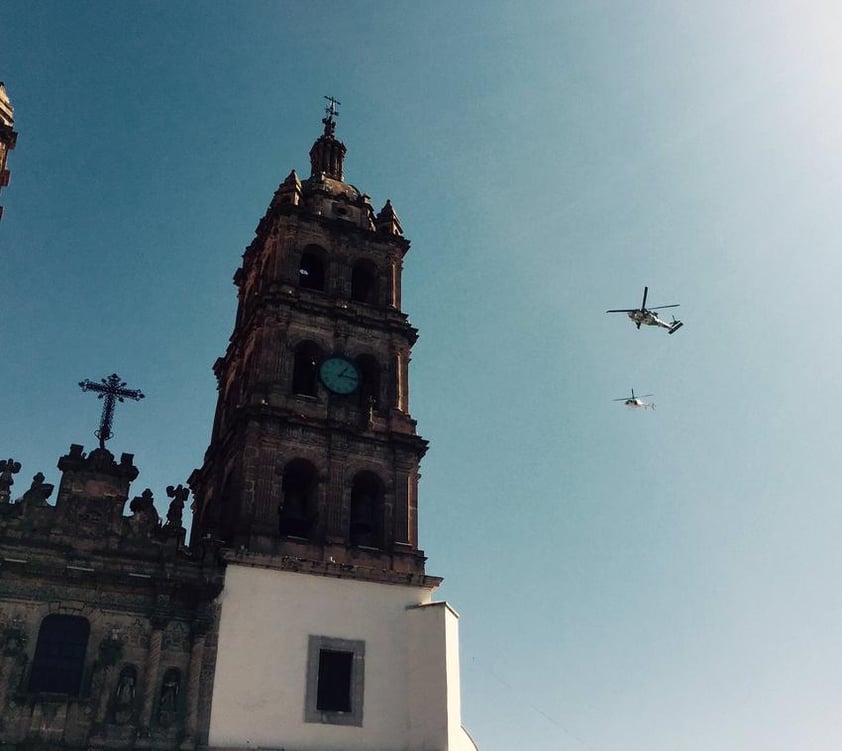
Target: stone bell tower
{"x": 313, "y": 452}
{"x": 328, "y": 633}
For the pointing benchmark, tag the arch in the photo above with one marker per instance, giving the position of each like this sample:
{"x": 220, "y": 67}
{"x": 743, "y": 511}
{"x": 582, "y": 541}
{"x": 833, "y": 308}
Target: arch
{"x": 369, "y": 389}
{"x": 59, "y": 660}
{"x": 305, "y": 368}
{"x": 366, "y": 513}
{"x": 312, "y": 268}
{"x": 297, "y": 511}
{"x": 364, "y": 282}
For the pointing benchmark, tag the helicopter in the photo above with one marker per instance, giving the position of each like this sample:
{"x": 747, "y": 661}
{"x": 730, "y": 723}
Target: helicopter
{"x": 645, "y": 315}
{"x": 636, "y": 402}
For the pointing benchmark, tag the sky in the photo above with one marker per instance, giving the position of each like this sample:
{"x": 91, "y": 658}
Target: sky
{"x": 663, "y": 580}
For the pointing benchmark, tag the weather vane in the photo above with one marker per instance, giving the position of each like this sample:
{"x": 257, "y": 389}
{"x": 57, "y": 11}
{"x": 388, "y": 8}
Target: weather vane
{"x": 110, "y": 390}
{"x": 331, "y": 111}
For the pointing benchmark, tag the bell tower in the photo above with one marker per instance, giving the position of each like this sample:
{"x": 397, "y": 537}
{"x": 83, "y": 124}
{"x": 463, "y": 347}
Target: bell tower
{"x": 313, "y": 454}
{"x": 328, "y": 634}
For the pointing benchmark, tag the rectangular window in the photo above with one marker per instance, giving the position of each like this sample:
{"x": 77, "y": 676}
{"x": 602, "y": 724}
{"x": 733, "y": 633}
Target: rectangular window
{"x": 335, "y": 671}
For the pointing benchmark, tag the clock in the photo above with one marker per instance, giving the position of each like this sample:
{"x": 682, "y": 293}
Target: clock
{"x": 339, "y": 375}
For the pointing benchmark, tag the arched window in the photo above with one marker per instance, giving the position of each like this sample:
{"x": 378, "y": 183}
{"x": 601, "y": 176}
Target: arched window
{"x": 60, "y": 655}
{"x": 364, "y": 282}
{"x": 366, "y": 510}
{"x": 305, "y": 369}
{"x": 297, "y": 511}
{"x": 311, "y": 269}
{"x": 369, "y": 390}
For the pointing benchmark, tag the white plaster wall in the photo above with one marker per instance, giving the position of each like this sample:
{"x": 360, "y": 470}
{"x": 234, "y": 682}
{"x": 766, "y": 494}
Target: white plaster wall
{"x": 434, "y": 679}
{"x": 411, "y": 658}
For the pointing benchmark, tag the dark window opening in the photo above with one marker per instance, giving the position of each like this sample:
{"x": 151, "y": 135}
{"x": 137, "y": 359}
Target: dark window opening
{"x": 366, "y": 510}
{"x": 334, "y": 688}
{"x": 305, "y": 369}
{"x": 297, "y": 510}
{"x": 60, "y": 655}
{"x": 335, "y": 681}
{"x": 364, "y": 283}
{"x": 311, "y": 272}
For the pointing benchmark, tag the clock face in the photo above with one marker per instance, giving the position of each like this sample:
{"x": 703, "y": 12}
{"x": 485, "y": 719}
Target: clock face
{"x": 340, "y": 375}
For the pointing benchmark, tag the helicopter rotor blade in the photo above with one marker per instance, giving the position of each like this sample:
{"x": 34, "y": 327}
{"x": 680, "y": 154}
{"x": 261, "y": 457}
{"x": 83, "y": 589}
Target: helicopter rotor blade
{"x": 661, "y": 307}
{"x": 643, "y": 304}
{"x": 622, "y": 310}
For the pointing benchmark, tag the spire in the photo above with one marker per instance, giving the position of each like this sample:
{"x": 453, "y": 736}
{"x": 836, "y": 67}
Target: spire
{"x": 387, "y": 220}
{"x": 327, "y": 153}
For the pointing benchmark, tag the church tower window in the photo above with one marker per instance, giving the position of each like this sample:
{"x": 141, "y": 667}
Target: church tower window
{"x": 311, "y": 270}
{"x": 60, "y": 655}
{"x": 366, "y": 511}
{"x": 297, "y": 511}
{"x": 305, "y": 369}
{"x": 364, "y": 283}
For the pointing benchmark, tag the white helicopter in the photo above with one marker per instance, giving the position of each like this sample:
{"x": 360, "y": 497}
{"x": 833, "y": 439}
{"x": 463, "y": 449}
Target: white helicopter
{"x": 636, "y": 402}
{"x": 645, "y": 315}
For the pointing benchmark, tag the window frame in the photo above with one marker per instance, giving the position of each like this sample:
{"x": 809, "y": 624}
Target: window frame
{"x": 356, "y": 647}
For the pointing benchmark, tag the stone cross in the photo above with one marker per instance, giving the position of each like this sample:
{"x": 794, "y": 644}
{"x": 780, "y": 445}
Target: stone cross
{"x": 110, "y": 390}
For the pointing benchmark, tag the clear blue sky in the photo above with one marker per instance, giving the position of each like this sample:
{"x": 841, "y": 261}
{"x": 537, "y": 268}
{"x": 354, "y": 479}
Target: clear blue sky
{"x": 628, "y": 581}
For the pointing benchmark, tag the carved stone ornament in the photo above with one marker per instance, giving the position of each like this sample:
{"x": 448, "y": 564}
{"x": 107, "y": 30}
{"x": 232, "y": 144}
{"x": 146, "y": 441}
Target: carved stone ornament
{"x": 110, "y": 650}
{"x": 176, "y": 636}
{"x": 14, "y": 639}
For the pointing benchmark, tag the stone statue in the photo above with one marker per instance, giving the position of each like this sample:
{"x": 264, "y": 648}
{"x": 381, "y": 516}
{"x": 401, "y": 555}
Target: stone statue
{"x": 8, "y": 467}
{"x": 179, "y": 495}
{"x": 144, "y": 517}
{"x": 124, "y": 696}
{"x": 38, "y": 492}
{"x": 126, "y": 689}
{"x": 169, "y": 694}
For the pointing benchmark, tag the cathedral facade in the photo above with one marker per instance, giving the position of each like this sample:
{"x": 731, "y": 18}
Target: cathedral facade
{"x": 300, "y": 615}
